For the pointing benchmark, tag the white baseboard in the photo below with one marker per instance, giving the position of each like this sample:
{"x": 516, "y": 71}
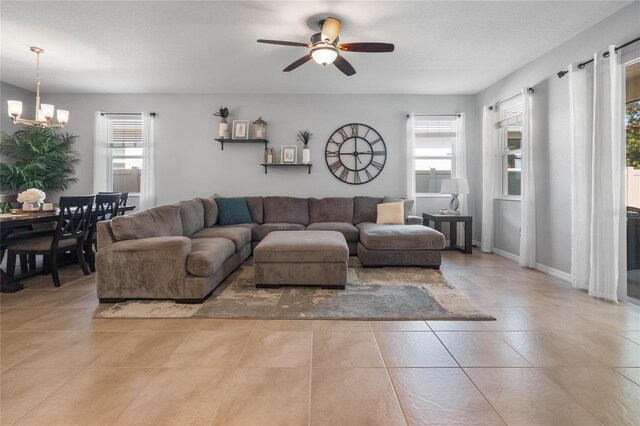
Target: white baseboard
{"x": 506, "y": 254}
{"x": 553, "y": 272}
{"x": 556, "y": 273}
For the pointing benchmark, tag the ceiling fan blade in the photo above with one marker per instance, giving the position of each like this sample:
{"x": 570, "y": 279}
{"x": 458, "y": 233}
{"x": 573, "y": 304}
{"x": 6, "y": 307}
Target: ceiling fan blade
{"x": 297, "y": 63}
{"x": 367, "y": 47}
{"x": 330, "y": 29}
{"x": 344, "y": 66}
{"x": 284, "y": 43}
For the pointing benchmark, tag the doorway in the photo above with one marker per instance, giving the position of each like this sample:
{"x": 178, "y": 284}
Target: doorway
{"x": 632, "y": 177}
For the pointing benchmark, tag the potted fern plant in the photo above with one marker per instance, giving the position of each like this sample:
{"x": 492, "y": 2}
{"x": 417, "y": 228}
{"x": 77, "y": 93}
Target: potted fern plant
{"x": 305, "y": 136}
{"x": 39, "y": 158}
{"x": 223, "y": 127}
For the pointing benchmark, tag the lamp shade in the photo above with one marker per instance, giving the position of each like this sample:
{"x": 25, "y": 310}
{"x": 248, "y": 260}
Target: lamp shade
{"x": 455, "y": 186}
{"x": 15, "y": 108}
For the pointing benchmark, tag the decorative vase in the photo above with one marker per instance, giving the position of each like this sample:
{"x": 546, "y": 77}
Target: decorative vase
{"x": 31, "y": 205}
{"x": 223, "y": 128}
{"x": 306, "y": 155}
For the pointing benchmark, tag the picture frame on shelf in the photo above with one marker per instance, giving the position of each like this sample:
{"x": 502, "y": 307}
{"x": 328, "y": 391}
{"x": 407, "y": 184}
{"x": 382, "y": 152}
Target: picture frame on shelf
{"x": 289, "y": 154}
{"x": 240, "y": 129}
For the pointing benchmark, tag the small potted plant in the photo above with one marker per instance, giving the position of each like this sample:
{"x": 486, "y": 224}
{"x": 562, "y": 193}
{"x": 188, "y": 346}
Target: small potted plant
{"x": 305, "y": 136}
{"x": 223, "y": 127}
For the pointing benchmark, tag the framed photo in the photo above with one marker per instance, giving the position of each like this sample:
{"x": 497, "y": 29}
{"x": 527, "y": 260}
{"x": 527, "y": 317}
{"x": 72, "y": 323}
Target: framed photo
{"x": 289, "y": 154}
{"x": 240, "y": 129}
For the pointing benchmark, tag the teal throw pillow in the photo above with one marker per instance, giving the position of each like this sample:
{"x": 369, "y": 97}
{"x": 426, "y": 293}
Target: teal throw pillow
{"x": 232, "y": 211}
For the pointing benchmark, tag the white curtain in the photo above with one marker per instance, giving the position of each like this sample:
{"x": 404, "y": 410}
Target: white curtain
{"x": 528, "y": 191}
{"x": 488, "y": 177}
{"x": 101, "y": 177}
{"x": 410, "y": 168}
{"x": 597, "y": 126}
{"x": 459, "y": 169}
{"x": 148, "y": 179}
{"x": 580, "y": 122}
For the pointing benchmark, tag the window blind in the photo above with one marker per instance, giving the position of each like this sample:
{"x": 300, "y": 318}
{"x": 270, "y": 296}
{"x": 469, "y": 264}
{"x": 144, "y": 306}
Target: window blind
{"x": 509, "y": 112}
{"x": 438, "y": 126}
{"x": 124, "y": 132}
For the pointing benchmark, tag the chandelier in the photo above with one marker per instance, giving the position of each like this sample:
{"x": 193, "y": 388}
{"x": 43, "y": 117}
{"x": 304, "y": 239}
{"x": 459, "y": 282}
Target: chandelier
{"x": 44, "y": 112}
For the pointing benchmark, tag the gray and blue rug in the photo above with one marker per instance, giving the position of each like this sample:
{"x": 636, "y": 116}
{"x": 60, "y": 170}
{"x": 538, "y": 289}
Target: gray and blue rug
{"x": 392, "y": 293}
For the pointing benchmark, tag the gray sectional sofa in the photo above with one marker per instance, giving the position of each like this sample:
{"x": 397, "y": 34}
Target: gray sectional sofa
{"x": 181, "y": 251}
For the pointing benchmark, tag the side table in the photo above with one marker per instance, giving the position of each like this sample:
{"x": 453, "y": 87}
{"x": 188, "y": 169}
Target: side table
{"x": 438, "y": 219}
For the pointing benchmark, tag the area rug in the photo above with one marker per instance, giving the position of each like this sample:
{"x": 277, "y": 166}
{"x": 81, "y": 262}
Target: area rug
{"x": 390, "y": 293}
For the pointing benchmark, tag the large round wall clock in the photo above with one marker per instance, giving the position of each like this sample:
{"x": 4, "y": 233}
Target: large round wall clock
{"x": 356, "y": 153}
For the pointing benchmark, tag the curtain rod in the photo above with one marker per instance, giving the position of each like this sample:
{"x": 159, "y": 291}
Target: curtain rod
{"x": 529, "y": 89}
{"x": 436, "y": 115}
{"x": 153, "y": 114}
{"x": 604, "y": 55}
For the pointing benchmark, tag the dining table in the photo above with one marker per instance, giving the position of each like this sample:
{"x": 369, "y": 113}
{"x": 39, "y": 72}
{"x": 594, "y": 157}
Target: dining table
{"x": 9, "y": 222}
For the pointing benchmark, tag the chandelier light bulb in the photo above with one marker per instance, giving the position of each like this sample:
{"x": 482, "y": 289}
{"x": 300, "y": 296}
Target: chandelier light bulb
{"x": 47, "y": 111}
{"x": 14, "y": 108}
{"x": 63, "y": 116}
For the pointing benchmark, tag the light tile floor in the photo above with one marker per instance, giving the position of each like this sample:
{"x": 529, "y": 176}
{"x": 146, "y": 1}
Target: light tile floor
{"x": 554, "y": 356}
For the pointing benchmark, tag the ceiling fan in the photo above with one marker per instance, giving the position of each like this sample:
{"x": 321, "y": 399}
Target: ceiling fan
{"x": 325, "y": 48}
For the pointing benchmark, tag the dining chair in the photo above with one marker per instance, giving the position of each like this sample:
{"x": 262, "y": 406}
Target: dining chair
{"x": 124, "y": 196}
{"x": 71, "y": 231}
{"x": 106, "y": 208}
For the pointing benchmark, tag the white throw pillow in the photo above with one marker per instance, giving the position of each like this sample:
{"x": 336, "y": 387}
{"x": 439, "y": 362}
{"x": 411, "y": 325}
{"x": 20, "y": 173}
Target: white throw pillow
{"x": 391, "y": 213}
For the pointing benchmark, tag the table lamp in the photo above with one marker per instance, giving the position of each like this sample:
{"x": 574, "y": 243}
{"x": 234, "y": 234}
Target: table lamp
{"x": 454, "y": 187}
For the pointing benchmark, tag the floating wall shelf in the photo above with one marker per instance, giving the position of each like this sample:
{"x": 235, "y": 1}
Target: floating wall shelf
{"x": 242, "y": 141}
{"x": 267, "y": 165}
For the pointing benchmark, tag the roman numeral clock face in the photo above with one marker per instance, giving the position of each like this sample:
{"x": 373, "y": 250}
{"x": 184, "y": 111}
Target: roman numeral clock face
{"x": 356, "y": 153}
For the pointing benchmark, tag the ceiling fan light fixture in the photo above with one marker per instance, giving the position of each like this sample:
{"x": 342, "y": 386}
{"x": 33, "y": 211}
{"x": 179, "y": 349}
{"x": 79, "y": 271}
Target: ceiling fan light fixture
{"x": 324, "y": 55}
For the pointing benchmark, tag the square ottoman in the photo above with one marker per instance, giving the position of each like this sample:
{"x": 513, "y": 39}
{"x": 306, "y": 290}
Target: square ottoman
{"x": 302, "y": 258}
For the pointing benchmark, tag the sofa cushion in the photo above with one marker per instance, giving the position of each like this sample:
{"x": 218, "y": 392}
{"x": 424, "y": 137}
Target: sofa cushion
{"x": 391, "y": 213}
{"x": 286, "y": 210}
{"x": 232, "y": 211}
{"x": 238, "y": 235}
{"x": 210, "y": 210}
{"x": 261, "y": 231}
{"x": 349, "y": 231}
{"x": 408, "y": 204}
{"x": 365, "y": 209}
{"x": 302, "y": 247}
{"x": 161, "y": 221}
{"x": 400, "y": 237}
{"x": 334, "y": 209}
{"x": 192, "y": 216}
{"x": 207, "y": 255}
{"x": 255, "y": 209}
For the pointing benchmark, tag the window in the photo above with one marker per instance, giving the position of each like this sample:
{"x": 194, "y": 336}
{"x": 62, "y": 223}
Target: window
{"x": 124, "y": 152}
{"x": 508, "y": 116}
{"x": 434, "y": 138}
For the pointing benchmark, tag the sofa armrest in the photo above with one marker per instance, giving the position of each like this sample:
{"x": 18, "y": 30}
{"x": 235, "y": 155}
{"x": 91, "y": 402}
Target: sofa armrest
{"x": 414, "y": 220}
{"x": 143, "y": 268}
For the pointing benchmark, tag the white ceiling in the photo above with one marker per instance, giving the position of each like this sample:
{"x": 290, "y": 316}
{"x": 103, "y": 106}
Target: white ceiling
{"x": 445, "y": 47}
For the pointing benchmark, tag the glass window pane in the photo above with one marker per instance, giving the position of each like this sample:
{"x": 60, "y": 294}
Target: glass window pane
{"x": 512, "y": 174}
{"x": 126, "y": 152}
{"x": 126, "y": 174}
{"x": 430, "y": 173}
{"x": 433, "y": 146}
{"x": 514, "y": 137}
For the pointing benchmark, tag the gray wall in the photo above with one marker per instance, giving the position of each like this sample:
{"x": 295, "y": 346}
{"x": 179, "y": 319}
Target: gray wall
{"x": 11, "y": 92}
{"x": 552, "y": 145}
{"x": 190, "y": 163}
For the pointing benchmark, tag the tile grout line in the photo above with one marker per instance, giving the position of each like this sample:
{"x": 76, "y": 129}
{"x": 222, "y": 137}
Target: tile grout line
{"x": 386, "y": 370}
{"x": 233, "y": 374}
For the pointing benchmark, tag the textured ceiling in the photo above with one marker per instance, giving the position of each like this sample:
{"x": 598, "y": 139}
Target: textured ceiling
{"x": 445, "y": 47}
